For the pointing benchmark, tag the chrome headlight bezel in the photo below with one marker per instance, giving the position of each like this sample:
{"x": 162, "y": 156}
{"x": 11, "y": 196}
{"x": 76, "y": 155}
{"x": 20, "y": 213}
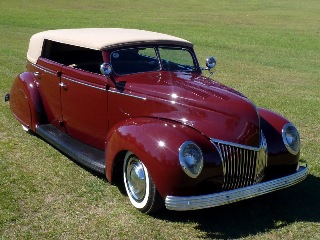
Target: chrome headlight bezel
{"x": 191, "y": 159}
{"x": 291, "y": 138}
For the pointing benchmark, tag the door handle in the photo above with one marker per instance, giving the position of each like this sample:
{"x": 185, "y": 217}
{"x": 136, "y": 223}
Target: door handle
{"x": 37, "y": 75}
{"x": 63, "y": 85}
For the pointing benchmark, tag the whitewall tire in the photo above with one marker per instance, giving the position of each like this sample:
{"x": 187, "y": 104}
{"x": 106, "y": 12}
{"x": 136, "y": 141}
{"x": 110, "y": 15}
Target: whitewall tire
{"x": 139, "y": 185}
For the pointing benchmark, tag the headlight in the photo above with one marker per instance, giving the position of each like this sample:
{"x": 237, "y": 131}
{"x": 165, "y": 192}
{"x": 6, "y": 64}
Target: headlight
{"x": 291, "y": 138}
{"x": 191, "y": 159}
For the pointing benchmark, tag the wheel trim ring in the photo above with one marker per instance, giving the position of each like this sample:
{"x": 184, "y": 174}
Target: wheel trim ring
{"x": 143, "y": 203}
{"x": 136, "y": 179}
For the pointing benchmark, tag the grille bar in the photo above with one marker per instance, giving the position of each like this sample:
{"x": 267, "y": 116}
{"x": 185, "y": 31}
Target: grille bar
{"x": 242, "y": 165}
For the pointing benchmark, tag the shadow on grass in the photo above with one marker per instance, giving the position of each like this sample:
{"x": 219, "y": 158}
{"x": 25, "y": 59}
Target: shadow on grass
{"x": 252, "y": 216}
{"x": 257, "y": 215}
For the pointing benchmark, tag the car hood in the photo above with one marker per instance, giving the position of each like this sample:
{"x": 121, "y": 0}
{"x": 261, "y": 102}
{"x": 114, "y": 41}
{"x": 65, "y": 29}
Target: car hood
{"x": 213, "y": 109}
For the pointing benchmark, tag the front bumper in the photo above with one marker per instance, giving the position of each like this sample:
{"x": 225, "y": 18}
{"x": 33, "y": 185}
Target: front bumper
{"x": 218, "y": 199}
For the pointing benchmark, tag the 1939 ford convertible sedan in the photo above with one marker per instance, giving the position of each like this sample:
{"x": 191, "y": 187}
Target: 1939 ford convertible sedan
{"x": 134, "y": 105}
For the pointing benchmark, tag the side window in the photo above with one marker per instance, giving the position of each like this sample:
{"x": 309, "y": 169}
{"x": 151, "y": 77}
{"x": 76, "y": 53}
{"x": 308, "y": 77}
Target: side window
{"x": 73, "y": 56}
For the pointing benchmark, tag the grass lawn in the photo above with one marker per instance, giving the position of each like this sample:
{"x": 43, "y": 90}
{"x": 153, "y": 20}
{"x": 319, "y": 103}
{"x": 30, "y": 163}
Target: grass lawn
{"x": 269, "y": 50}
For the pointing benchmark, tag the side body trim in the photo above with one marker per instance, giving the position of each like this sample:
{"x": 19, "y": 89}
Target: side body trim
{"x": 89, "y": 85}
{"x": 127, "y": 94}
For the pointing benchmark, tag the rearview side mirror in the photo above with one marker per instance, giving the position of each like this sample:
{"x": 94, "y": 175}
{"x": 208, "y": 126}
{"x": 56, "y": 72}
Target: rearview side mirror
{"x": 106, "y": 69}
{"x": 210, "y": 62}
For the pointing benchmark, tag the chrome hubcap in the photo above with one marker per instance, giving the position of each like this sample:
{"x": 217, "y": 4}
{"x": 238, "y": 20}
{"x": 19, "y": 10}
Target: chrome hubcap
{"x": 136, "y": 178}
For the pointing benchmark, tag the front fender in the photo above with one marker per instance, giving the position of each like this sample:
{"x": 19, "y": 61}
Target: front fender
{"x": 279, "y": 159}
{"x": 156, "y": 142}
{"x": 25, "y": 101}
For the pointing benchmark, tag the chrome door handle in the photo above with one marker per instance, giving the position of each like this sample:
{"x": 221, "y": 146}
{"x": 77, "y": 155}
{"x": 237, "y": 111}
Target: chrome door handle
{"x": 63, "y": 85}
{"x": 37, "y": 75}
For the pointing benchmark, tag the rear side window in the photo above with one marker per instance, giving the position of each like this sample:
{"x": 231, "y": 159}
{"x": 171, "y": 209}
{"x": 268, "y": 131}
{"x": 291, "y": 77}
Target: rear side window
{"x": 73, "y": 56}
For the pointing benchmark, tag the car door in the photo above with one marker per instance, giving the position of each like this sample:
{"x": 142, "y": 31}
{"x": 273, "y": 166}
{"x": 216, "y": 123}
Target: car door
{"x": 84, "y": 105}
{"x": 48, "y": 74}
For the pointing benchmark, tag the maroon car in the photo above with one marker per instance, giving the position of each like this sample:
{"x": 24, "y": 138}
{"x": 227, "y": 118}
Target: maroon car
{"x": 133, "y": 105}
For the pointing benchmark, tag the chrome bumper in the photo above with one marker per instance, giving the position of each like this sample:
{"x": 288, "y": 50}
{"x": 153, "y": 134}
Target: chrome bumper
{"x": 217, "y": 199}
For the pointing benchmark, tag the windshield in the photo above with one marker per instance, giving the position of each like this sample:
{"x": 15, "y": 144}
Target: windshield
{"x": 137, "y": 60}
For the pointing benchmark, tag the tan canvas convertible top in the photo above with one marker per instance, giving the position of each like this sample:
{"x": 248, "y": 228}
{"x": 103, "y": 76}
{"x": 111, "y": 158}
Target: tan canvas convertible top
{"x": 99, "y": 38}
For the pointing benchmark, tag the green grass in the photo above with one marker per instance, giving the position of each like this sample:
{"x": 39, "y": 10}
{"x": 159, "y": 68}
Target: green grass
{"x": 269, "y": 50}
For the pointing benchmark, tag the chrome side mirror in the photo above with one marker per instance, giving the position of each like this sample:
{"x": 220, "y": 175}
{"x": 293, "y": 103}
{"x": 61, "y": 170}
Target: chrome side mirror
{"x": 106, "y": 69}
{"x": 210, "y": 62}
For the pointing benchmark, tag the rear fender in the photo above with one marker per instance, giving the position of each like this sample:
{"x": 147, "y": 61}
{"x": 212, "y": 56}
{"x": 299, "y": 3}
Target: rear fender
{"x": 156, "y": 143}
{"x": 25, "y": 101}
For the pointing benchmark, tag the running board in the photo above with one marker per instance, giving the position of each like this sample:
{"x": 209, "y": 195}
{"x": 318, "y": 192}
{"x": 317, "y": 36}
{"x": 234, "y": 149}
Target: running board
{"x": 84, "y": 154}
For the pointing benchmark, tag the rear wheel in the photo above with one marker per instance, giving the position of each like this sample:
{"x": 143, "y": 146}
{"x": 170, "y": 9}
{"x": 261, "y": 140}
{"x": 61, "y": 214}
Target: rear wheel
{"x": 139, "y": 185}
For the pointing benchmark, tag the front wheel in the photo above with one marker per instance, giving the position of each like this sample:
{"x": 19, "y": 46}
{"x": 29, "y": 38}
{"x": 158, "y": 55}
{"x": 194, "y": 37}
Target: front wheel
{"x": 139, "y": 185}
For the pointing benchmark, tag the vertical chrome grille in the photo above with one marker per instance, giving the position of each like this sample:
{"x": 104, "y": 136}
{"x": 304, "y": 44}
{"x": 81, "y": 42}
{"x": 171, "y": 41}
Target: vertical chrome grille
{"x": 242, "y": 165}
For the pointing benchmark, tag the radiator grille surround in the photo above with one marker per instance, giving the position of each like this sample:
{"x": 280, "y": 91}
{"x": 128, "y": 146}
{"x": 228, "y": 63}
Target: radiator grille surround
{"x": 242, "y": 165}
